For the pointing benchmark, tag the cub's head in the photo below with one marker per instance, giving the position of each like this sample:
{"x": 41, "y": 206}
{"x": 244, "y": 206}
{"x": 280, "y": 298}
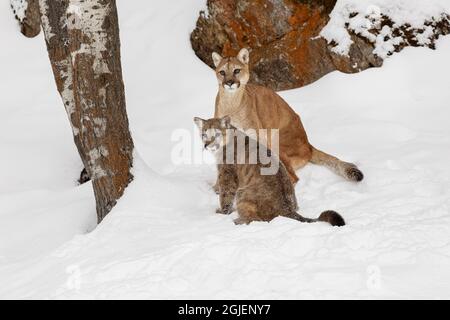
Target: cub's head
{"x": 213, "y": 132}
{"x": 233, "y": 72}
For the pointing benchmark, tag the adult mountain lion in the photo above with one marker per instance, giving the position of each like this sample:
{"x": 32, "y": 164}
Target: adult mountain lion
{"x": 255, "y": 107}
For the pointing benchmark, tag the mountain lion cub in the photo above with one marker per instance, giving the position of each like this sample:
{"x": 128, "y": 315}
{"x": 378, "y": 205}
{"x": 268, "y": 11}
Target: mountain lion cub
{"x": 255, "y": 107}
{"x": 259, "y": 197}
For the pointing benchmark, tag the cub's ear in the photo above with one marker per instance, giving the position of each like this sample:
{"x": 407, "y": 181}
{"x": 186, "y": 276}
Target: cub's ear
{"x": 244, "y": 56}
{"x": 225, "y": 122}
{"x": 217, "y": 58}
{"x": 199, "y": 122}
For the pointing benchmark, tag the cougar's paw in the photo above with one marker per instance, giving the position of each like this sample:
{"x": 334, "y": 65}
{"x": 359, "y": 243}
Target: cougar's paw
{"x": 354, "y": 174}
{"x": 240, "y": 221}
{"x": 224, "y": 210}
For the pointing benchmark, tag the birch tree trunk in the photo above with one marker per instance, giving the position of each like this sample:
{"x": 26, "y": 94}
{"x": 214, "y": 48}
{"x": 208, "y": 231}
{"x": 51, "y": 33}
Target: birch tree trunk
{"x": 27, "y": 13}
{"x": 84, "y": 49}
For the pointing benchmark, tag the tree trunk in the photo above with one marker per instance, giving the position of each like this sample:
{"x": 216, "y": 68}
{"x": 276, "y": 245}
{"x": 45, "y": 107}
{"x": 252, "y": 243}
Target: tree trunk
{"x": 84, "y": 48}
{"x": 27, "y": 13}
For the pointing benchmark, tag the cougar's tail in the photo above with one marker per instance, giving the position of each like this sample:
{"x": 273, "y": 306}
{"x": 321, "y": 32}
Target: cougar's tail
{"x": 332, "y": 217}
{"x": 345, "y": 169}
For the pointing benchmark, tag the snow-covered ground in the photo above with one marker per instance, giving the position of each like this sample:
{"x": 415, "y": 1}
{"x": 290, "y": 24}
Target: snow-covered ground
{"x": 163, "y": 240}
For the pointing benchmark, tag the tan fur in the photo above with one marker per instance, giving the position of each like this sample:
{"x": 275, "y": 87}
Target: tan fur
{"x": 258, "y": 197}
{"x": 255, "y": 107}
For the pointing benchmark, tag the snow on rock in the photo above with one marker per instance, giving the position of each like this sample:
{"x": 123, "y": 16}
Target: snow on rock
{"x": 388, "y": 24}
{"x": 163, "y": 239}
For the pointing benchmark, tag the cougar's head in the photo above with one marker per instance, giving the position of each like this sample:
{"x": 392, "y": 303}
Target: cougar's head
{"x": 213, "y": 131}
{"x": 233, "y": 72}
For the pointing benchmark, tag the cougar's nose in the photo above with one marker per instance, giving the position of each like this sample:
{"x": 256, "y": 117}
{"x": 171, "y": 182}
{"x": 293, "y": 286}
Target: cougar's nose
{"x": 229, "y": 82}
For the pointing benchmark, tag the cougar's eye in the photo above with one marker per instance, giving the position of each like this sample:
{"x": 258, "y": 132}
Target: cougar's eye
{"x": 237, "y": 71}
{"x": 222, "y": 73}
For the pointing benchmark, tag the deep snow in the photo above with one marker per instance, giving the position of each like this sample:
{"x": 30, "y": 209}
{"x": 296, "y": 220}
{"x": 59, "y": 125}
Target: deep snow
{"x": 163, "y": 239}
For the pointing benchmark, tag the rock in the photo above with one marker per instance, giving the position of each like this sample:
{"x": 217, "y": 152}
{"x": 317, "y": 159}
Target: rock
{"x": 283, "y": 36}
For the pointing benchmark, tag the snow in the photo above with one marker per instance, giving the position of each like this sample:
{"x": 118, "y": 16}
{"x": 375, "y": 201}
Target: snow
{"x": 163, "y": 239}
{"x": 362, "y": 16}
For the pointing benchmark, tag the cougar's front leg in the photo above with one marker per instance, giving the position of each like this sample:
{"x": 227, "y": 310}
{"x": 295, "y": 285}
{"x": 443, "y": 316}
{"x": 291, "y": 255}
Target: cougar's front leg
{"x": 227, "y": 183}
{"x": 226, "y": 202}
{"x": 215, "y": 187}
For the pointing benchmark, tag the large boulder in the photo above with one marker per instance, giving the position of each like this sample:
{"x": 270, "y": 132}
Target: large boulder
{"x": 283, "y": 38}
{"x": 287, "y": 49}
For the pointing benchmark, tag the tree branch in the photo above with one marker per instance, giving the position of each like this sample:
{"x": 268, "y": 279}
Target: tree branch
{"x": 28, "y": 15}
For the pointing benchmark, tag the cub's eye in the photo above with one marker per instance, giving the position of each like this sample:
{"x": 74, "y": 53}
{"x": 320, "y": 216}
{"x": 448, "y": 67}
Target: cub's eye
{"x": 236, "y": 71}
{"x": 204, "y": 136}
{"x": 222, "y": 73}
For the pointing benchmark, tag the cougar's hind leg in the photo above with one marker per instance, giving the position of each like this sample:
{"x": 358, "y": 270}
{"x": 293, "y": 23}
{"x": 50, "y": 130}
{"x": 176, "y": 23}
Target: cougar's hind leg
{"x": 226, "y": 198}
{"x": 247, "y": 211}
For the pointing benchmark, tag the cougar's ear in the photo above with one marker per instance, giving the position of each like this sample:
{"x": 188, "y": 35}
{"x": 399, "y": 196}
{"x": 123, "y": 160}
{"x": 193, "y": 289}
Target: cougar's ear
{"x": 244, "y": 56}
{"x": 199, "y": 122}
{"x": 217, "y": 58}
{"x": 225, "y": 122}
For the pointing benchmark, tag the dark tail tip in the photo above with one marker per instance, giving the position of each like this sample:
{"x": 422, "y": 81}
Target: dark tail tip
{"x": 354, "y": 174}
{"x": 332, "y": 217}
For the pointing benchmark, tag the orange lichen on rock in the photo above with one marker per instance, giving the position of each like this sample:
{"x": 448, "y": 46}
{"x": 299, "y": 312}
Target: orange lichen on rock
{"x": 282, "y": 36}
